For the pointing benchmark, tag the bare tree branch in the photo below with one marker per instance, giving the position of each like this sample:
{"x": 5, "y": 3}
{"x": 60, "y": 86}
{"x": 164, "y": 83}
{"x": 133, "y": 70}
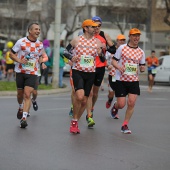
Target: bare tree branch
{"x": 167, "y": 16}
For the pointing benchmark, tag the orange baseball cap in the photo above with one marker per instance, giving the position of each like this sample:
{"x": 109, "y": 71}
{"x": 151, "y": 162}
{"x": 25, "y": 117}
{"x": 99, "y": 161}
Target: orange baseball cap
{"x": 121, "y": 37}
{"x": 89, "y": 22}
{"x": 134, "y": 31}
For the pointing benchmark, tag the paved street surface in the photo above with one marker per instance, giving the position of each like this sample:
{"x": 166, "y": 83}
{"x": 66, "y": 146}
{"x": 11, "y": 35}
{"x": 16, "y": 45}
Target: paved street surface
{"x": 46, "y": 143}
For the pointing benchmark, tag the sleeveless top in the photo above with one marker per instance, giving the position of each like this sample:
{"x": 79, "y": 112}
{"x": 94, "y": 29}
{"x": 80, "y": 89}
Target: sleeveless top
{"x": 103, "y": 41}
{"x": 86, "y": 50}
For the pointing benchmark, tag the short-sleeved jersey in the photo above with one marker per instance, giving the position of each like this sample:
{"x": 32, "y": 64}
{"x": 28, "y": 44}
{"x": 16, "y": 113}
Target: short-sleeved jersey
{"x": 30, "y": 50}
{"x": 86, "y": 50}
{"x": 129, "y": 58}
{"x": 109, "y": 57}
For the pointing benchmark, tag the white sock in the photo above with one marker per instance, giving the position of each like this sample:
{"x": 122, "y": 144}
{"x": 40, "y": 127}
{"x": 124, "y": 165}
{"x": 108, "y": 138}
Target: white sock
{"x": 24, "y": 115}
{"x": 21, "y": 106}
{"x": 74, "y": 119}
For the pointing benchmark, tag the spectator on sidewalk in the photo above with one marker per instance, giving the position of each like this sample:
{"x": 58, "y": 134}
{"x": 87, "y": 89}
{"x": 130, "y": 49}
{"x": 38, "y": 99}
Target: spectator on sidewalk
{"x": 61, "y": 64}
{"x": 9, "y": 62}
{"x": 46, "y": 45}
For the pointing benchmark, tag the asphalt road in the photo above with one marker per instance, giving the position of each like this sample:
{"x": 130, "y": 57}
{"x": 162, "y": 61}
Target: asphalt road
{"x": 46, "y": 143}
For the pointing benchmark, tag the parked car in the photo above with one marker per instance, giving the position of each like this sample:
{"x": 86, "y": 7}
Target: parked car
{"x": 66, "y": 69}
{"x": 163, "y": 70}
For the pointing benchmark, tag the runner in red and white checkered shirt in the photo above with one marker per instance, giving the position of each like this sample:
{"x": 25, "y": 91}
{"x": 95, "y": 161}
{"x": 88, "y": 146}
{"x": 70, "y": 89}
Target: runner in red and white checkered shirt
{"x": 127, "y": 60}
{"x": 27, "y": 53}
{"x": 82, "y": 51}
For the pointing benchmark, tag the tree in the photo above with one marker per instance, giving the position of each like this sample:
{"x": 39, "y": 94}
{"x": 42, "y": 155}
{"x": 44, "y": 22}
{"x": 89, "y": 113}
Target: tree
{"x": 121, "y": 13}
{"x": 71, "y": 17}
{"x": 167, "y": 16}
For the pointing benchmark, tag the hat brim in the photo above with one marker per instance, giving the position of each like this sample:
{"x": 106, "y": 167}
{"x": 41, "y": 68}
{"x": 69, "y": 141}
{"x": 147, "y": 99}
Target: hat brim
{"x": 94, "y": 24}
{"x": 135, "y": 33}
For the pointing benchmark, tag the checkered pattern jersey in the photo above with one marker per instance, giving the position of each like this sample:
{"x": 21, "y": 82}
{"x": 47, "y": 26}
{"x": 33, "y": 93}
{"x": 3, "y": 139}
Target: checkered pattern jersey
{"x": 85, "y": 47}
{"x": 126, "y": 54}
{"x": 24, "y": 47}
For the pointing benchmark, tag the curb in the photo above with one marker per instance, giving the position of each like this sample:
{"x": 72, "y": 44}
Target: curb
{"x": 40, "y": 92}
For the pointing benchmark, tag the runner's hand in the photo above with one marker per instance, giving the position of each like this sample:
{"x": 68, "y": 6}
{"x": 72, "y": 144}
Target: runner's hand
{"x": 99, "y": 51}
{"x": 121, "y": 69}
{"x": 74, "y": 59}
{"x": 23, "y": 61}
{"x": 110, "y": 67}
{"x": 142, "y": 68}
{"x": 70, "y": 63}
{"x": 43, "y": 66}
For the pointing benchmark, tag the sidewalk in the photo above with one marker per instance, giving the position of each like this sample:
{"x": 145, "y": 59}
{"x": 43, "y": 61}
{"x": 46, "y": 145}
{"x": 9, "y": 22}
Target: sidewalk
{"x": 40, "y": 92}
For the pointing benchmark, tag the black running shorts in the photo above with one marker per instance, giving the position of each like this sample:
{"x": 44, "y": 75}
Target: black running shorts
{"x": 37, "y": 83}
{"x": 83, "y": 80}
{"x": 123, "y": 88}
{"x": 112, "y": 83}
{"x": 23, "y": 80}
{"x": 99, "y": 76}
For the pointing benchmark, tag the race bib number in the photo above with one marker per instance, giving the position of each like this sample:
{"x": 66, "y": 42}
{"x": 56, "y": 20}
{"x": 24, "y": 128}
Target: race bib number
{"x": 113, "y": 78}
{"x": 87, "y": 61}
{"x": 30, "y": 65}
{"x": 130, "y": 69}
{"x": 154, "y": 71}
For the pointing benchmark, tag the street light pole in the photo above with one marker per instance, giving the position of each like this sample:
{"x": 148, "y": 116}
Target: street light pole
{"x": 56, "y": 49}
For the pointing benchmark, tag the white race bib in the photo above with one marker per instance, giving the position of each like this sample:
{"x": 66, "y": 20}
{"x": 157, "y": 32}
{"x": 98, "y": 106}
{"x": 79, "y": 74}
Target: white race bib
{"x": 130, "y": 69}
{"x": 153, "y": 71}
{"x": 30, "y": 65}
{"x": 86, "y": 61}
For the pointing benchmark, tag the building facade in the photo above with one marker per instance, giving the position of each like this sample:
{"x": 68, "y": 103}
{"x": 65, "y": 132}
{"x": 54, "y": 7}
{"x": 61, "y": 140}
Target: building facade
{"x": 118, "y": 16}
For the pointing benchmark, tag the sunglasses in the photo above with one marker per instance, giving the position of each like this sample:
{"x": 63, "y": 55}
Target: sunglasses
{"x": 99, "y": 25}
{"x": 92, "y": 26}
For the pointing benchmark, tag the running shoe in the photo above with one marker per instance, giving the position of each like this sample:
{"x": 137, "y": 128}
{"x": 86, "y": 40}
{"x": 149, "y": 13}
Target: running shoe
{"x": 71, "y": 112}
{"x": 125, "y": 130}
{"x": 114, "y": 112}
{"x": 19, "y": 113}
{"x": 91, "y": 115}
{"x": 35, "y": 106}
{"x": 74, "y": 127}
{"x": 23, "y": 123}
{"x": 108, "y": 104}
{"x": 90, "y": 122}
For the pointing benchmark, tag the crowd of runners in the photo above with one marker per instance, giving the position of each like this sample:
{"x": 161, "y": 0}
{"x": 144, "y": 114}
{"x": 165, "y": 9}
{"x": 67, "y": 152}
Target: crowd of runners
{"x": 89, "y": 54}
